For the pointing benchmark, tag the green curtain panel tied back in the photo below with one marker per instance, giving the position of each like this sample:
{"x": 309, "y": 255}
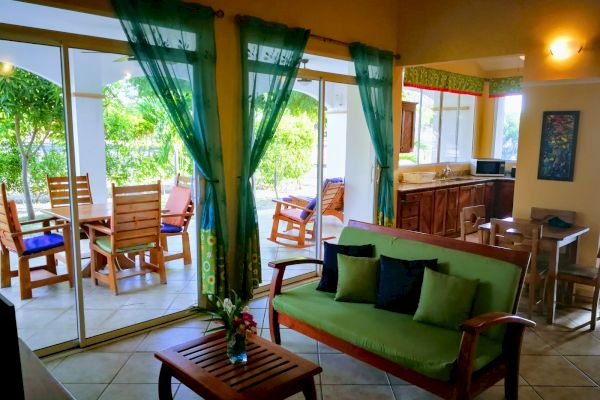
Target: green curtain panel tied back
{"x": 374, "y": 72}
{"x": 175, "y": 47}
{"x": 271, "y": 55}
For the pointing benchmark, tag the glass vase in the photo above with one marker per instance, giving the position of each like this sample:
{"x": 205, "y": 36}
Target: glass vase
{"x": 236, "y": 348}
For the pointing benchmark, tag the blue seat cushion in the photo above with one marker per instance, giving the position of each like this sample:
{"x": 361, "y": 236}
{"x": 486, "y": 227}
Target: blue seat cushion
{"x": 167, "y": 228}
{"x": 311, "y": 205}
{"x": 40, "y": 243}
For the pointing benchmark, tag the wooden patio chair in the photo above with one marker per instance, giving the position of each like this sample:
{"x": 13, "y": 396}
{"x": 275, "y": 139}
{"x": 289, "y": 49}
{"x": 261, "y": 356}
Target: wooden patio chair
{"x": 45, "y": 245}
{"x": 134, "y": 229}
{"x": 175, "y": 222}
{"x": 185, "y": 181}
{"x": 298, "y": 217}
{"x": 470, "y": 219}
{"x": 523, "y": 236}
{"x": 337, "y": 208}
{"x": 58, "y": 189}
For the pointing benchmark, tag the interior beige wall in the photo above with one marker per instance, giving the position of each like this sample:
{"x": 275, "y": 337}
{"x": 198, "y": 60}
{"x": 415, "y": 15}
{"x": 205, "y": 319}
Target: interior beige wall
{"x": 583, "y": 194}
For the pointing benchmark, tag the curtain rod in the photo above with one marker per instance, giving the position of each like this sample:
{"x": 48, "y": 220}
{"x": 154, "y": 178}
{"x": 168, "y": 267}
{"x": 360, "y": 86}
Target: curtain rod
{"x": 319, "y": 37}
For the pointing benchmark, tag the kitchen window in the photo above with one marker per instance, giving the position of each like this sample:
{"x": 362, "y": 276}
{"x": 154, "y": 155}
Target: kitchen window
{"x": 506, "y": 127}
{"x": 444, "y": 126}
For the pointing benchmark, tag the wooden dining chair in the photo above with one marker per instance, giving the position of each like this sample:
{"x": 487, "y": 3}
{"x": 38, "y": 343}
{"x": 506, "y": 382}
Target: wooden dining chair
{"x": 298, "y": 218}
{"x": 582, "y": 275}
{"x": 134, "y": 230}
{"x": 470, "y": 219}
{"x": 58, "y": 189}
{"x": 45, "y": 245}
{"x": 523, "y": 236}
{"x": 175, "y": 222}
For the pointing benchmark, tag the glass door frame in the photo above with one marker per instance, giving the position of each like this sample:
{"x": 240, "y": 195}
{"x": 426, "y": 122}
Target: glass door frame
{"x": 323, "y": 78}
{"x": 65, "y": 42}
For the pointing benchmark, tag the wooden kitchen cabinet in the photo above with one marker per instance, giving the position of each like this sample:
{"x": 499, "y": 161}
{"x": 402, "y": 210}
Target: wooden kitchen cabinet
{"x": 426, "y": 211}
{"x": 439, "y": 211}
{"x": 407, "y": 133}
{"x": 452, "y": 212}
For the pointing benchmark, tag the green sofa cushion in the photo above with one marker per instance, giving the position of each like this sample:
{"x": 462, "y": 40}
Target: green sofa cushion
{"x": 427, "y": 349}
{"x": 498, "y": 280}
{"x": 104, "y": 243}
{"x": 357, "y": 279}
{"x": 446, "y": 300}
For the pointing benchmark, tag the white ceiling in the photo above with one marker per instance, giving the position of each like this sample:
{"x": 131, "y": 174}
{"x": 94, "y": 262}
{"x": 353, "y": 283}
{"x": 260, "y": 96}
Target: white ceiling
{"x": 500, "y": 63}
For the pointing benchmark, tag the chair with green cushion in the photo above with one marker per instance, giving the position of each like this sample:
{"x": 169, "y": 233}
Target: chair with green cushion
{"x": 134, "y": 230}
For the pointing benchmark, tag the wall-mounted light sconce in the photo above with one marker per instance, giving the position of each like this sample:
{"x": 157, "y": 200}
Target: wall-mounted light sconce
{"x": 561, "y": 49}
{"x": 6, "y": 68}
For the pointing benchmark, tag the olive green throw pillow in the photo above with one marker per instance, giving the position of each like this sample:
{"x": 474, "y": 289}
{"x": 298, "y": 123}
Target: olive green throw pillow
{"x": 445, "y": 300}
{"x": 357, "y": 279}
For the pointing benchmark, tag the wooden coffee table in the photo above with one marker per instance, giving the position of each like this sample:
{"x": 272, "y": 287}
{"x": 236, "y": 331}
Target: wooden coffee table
{"x": 271, "y": 372}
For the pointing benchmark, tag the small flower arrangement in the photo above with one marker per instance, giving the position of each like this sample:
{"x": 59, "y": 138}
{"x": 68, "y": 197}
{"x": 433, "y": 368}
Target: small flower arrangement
{"x": 234, "y": 317}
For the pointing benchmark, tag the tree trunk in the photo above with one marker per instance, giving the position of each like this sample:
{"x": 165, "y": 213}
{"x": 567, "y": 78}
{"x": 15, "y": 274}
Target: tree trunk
{"x": 26, "y": 189}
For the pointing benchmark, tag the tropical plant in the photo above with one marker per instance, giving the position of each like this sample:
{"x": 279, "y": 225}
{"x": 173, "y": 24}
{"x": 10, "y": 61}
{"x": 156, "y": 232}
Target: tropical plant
{"x": 31, "y": 115}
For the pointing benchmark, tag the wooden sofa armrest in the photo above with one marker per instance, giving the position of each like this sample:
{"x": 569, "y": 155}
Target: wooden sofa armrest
{"x": 511, "y": 348}
{"x": 482, "y": 322}
{"x": 279, "y": 269}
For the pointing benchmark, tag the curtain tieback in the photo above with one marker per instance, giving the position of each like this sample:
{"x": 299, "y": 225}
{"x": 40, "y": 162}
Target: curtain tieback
{"x": 212, "y": 181}
{"x": 379, "y": 172}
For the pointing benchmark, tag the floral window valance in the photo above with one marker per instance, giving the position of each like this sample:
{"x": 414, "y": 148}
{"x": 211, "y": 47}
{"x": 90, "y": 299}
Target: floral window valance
{"x": 434, "y": 79}
{"x": 505, "y": 86}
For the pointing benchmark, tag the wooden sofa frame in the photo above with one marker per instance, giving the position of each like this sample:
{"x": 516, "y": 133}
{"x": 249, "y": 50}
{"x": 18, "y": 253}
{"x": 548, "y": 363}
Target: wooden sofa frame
{"x": 464, "y": 383}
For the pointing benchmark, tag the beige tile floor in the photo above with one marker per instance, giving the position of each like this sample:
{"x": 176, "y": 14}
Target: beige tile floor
{"x": 49, "y": 317}
{"x": 559, "y": 362}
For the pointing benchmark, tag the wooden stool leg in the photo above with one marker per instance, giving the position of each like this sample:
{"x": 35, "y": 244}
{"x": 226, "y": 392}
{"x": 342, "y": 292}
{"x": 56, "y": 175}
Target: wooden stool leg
{"x": 308, "y": 389}
{"x": 25, "y": 278}
{"x": 4, "y": 267}
{"x": 164, "y": 383}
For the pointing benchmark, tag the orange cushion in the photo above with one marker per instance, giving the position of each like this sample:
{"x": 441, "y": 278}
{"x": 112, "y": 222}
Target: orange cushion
{"x": 14, "y": 216}
{"x": 178, "y": 202}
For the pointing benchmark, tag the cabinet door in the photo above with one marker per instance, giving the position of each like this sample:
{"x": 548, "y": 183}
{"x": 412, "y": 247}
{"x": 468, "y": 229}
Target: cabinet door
{"x": 452, "y": 211}
{"x": 490, "y": 194}
{"x": 426, "y": 212}
{"x": 439, "y": 212}
{"x": 505, "y": 191}
{"x": 408, "y": 127}
{"x": 465, "y": 199}
{"x": 479, "y": 194}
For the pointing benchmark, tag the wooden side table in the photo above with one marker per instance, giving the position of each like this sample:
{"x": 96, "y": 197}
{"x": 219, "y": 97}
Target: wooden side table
{"x": 271, "y": 372}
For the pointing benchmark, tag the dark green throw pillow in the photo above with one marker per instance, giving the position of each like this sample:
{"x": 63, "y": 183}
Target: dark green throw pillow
{"x": 357, "y": 279}
{"x": 445, "y": 300}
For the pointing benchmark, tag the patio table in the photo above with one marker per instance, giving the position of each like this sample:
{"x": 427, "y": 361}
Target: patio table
{"x": 553, "y": 239}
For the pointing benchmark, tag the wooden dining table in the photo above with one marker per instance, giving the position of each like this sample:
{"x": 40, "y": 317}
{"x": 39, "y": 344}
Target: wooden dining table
{"x": 88, "y": 213}
{"x": 553, "y": 239}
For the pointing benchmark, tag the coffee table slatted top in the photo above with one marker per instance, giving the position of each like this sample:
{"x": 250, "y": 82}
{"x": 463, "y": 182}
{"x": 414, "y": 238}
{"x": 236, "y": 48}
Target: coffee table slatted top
{"x": 204, "y": 367}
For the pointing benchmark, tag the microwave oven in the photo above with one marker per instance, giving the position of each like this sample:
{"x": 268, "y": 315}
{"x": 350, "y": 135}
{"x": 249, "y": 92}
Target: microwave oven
{"x": 487, "y": 167}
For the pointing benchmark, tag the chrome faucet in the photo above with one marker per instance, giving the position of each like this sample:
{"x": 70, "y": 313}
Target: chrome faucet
{"x": 446, "y": 172}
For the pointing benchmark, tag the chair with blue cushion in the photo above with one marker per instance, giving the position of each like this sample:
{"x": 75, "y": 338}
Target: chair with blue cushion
{"x": 175, "y": 221}
{"x": 337, "y": 207}
{"x": 134, "y": 230}
{"x": 44, "y": 244}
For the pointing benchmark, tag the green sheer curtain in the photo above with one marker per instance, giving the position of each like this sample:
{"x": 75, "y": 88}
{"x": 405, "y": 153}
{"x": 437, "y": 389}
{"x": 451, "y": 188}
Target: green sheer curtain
{"x": 374, "y": 74}
{"x": 175, "y": 47}
{"x": 271, "y": 55}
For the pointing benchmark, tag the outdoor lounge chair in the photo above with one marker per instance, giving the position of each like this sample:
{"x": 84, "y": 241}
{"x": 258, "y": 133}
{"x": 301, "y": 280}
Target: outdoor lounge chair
{"x": 45, "y": 245}
{"x": 298, "y": 217}
{"x": 337, "y": 208}
{"x": 175, "y": 222}
{"x": 134, "y": 229}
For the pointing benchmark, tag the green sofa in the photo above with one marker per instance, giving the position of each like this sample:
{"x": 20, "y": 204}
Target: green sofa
{"x": 450, "y": 363}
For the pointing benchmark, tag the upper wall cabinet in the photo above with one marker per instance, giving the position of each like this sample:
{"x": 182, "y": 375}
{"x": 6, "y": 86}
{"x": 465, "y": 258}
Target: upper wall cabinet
{"x": 407, "y": 136}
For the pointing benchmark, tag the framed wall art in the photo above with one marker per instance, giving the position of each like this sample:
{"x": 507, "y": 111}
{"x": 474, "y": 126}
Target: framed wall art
{"x": 558, "y": 145}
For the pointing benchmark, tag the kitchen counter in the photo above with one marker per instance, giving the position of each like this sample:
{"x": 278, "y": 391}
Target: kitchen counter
{"x": 442, "y": 183}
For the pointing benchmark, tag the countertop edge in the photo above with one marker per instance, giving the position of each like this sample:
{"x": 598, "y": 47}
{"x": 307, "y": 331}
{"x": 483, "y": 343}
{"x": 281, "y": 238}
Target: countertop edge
{"x": 412, "y": 187}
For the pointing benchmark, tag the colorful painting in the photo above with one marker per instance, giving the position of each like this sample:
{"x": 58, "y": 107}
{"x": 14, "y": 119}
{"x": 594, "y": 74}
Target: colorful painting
{"x": 559, "y": 141}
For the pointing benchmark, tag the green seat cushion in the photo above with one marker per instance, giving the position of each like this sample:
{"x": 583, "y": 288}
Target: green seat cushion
{"x": 498, "y": 280}
{"x": 104, "y": 243}
{"x": 427, "y": 349}
{"x": 445, "y": 300}
{"x": 357, "y": 279}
